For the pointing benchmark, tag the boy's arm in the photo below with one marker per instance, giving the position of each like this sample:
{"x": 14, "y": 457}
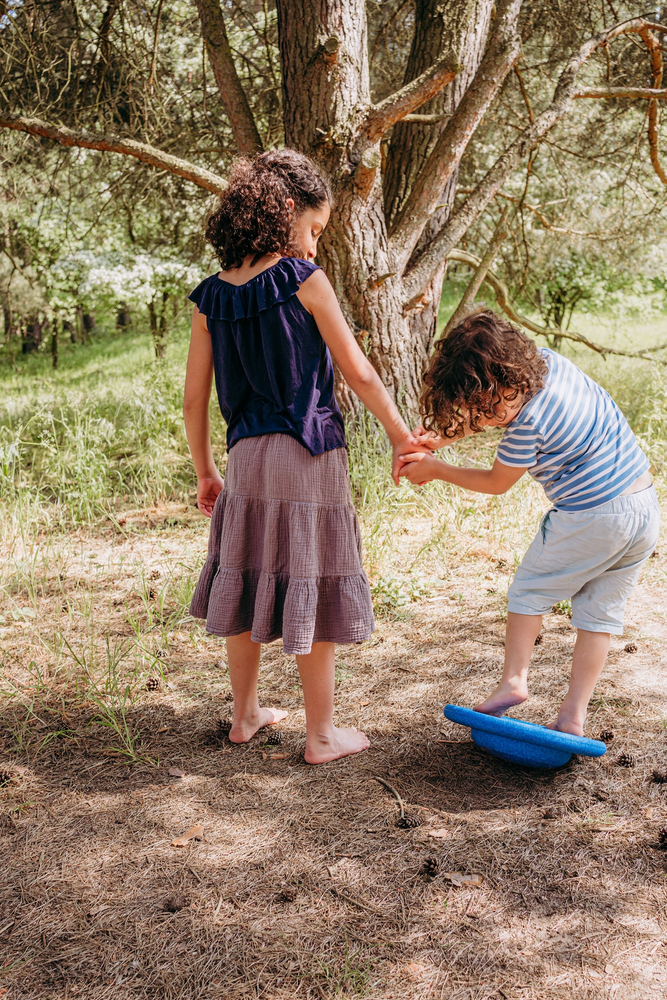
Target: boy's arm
{"x": 420, "y": 469}
{"x": 198, "y": 382}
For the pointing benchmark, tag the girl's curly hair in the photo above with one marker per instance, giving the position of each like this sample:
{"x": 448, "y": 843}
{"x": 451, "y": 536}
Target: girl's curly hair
{"x": 253, "y": 216}
{"x": 480, "y": 356}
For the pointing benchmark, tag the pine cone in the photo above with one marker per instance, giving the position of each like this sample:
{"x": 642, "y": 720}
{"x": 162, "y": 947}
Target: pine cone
{"x": 287, "y": 895}
{"x": 275, "y": 739}
{"x": 431, "y": 867}
{"x": 409, "y": 821}
{"x": 659, "y": 777}
{"x": 153, "y": 684}
{"x": 6, "y": 776}
{"x": 662, "y": 838}
{"x": 222, "y": 728}
{"x": 539, "y": 639}
{"x": 625, "y": 760}
{"x": 631, "y": 647}
{"x": 606, "y": 736}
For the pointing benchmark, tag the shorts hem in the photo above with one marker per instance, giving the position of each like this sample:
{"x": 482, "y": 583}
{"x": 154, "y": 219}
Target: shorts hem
{"x": 609, "y": 627}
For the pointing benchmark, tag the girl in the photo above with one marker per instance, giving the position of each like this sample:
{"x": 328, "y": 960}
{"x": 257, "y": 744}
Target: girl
{"x": 284, "y": 552}
{"x": 570, "y": 435}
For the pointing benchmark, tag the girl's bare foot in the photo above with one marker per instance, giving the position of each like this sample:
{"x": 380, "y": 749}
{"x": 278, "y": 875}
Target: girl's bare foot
{"x": 503, "y": 697}
{"x": 341, "y": 743}
{"x": 567, "y": 726}
{"x": 244, "y": 729}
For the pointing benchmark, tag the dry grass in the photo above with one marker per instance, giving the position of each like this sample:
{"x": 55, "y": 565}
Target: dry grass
{"x": 303, "y": 885}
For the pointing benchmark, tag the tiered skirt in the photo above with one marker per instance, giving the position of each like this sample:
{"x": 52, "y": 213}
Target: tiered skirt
{"x": 284, "y": 555}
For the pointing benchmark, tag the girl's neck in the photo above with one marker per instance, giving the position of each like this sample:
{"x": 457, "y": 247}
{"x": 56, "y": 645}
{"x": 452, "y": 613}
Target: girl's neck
{"x": 247, "y": 270}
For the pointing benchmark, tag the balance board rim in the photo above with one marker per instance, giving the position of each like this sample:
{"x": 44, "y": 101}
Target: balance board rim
{"x": 524, "y": 732}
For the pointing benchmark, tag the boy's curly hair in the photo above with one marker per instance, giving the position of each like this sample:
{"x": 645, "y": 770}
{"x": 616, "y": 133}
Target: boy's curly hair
{"x": 480, "y": 356}
{"x": 253, "y": 216}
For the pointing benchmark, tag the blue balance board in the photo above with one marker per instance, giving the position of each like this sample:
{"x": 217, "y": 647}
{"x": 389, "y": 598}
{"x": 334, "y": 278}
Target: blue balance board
{"x": 522, "y": 742}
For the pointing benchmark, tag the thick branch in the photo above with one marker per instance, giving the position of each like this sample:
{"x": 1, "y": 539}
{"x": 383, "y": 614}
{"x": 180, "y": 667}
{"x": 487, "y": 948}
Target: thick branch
{"x": 653, "y": 137}
{"x": 484, "y": 266}
{"x": 633, "y": 93}
{"x": 419, "y": 277}
{"x": 503, "y": 51}
{"x": 233, "y": 96}
{"x": 406, "y": 100}
{"x": 128, "y": 147}
{"x": 503, "y": 300}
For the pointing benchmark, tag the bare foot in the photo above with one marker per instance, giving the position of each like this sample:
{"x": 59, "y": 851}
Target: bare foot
{"x": 502, "y": 698}
{"x": 341, "y": 743}
{"x": 244, "y": 729}
{"x": 566, "y": 726}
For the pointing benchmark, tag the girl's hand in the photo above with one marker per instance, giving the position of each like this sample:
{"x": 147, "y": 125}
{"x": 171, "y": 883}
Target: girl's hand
{"x": 408, "y": 444}
{"x": 207, "y": 493}
{"x": 419, "y": 468}
{"x": 428, "y": 439}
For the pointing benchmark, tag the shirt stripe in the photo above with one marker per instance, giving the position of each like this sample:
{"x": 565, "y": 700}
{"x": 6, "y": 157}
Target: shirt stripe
{"x": 573, "y": 439}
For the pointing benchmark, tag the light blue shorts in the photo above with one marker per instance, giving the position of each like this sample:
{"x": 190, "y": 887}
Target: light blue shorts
{"x": 592, "y": 556}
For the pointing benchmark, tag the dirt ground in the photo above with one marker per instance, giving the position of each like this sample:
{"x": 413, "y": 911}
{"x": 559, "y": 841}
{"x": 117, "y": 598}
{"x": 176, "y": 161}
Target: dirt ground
{"x": 302, "y": 884}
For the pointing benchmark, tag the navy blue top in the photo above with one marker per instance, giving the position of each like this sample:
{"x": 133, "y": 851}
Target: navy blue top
{"x": 273, "y": 371}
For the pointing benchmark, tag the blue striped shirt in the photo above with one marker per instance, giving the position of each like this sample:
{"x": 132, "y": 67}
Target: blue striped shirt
{"x": 573, "y": 439}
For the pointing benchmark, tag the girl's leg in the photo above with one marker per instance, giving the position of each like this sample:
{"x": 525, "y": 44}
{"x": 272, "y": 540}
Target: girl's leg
{"x": 323, "y": 740}
{"x": 590, "y": 653}
{"x": 522, "y": 631}
{"x": 243, "y": 663}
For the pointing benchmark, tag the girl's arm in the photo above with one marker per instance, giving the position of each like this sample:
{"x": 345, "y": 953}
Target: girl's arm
{"x": 198, "y": 382}
{"x": 319, "y": 298}
{"x": 420, "y": 468}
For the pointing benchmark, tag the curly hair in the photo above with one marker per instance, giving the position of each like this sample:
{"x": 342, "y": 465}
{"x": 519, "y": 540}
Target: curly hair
{"x": 481, "y": 356}
{"x": 253, "y": 216}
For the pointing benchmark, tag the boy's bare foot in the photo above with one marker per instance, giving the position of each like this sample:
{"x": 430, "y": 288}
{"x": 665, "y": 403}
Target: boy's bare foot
{"x": 341, "y": 743}
{"x": 566, "y": 726}
{"x": 505, "y": 696}
{"x": 244, "y": 729}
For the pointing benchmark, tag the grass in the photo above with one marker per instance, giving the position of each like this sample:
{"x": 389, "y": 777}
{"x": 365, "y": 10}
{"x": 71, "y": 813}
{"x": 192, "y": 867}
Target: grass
{"x": 100, "y": 547}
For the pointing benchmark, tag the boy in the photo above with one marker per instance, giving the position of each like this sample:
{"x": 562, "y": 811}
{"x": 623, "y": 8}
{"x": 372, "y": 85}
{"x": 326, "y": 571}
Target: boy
{"x": 569, "y": 434}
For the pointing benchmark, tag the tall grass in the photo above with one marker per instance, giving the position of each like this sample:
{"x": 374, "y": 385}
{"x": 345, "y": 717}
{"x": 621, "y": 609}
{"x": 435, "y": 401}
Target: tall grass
{"x": 105, "y": 432}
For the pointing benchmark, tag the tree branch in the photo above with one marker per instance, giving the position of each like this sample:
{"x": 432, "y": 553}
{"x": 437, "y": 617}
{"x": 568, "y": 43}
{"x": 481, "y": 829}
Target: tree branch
{"x": 419, "y": 276}
{"x": 484, "y": 266}
{"x": 233, "y": 96}
{"x": 632, "y": 93}
{"x": 503, "y": 300}
{"x": 502, "y": 52}
{"x": 113, "y": 144}
{"x": 653, "y": 138}
{"x": 410, "y": 97}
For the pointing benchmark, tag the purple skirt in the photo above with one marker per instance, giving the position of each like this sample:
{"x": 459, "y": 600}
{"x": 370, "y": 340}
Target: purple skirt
{"x": 284, "y": 553}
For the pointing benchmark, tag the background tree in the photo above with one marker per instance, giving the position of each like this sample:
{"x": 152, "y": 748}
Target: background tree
{"x": 428, "y": 117}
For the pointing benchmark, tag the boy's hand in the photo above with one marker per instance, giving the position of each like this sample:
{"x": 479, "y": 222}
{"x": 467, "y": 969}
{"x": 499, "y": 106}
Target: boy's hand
{"x": 207, "y": 493}
{"x": 410, "y": 444}
{"x": 418, "y": 467}
{"x": 428, "y": 439}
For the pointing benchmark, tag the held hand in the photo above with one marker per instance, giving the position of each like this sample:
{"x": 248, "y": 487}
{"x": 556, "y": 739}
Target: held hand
{"x": 409, "y": 444}
{"x": 428, "y": 439}
{"x": 207, "y": 493}
{"x": 418, "y": 467}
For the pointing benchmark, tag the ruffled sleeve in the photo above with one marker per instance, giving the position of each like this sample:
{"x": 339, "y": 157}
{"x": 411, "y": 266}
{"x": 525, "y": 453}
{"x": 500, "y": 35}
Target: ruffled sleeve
{"x": 218, "y": 299}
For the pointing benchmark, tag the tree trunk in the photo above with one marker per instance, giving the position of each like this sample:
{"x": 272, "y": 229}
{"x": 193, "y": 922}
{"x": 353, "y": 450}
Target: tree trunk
{"x": 462, "y": 26}
{"x": 324, "y": 56}
{"x": 54, "y": 344}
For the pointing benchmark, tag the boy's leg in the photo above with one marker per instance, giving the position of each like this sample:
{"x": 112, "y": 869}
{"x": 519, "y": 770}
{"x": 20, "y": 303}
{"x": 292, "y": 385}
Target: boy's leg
{"x": 522, "y": 631}
{"x": 323, "y": 740}
{"x": 243, "y": 663}
{"x": 590, "y": 653}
